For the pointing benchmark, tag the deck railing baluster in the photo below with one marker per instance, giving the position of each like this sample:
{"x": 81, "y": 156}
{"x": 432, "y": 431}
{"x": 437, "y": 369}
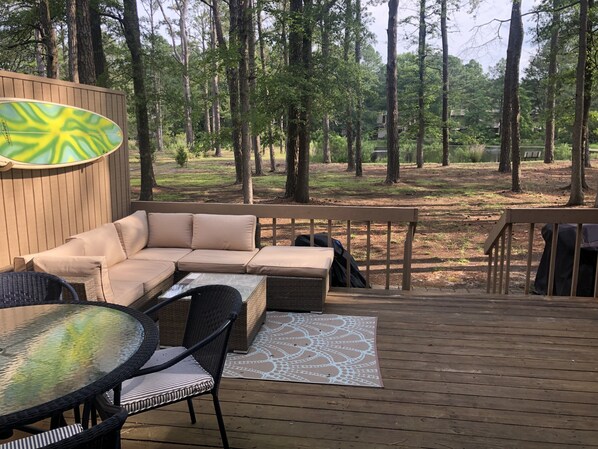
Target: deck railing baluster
{"x": 576, "y": 257}
{"x": 530, "y": 249}
{"x": 554, "y": 242}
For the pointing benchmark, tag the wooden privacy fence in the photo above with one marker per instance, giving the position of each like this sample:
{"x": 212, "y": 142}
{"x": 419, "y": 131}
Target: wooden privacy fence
{"x": 370, "y": 234}
{"x": 506, "y": 250}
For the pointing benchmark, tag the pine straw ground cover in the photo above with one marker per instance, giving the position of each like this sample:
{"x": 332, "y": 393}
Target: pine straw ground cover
{"x": 458, "y": 205}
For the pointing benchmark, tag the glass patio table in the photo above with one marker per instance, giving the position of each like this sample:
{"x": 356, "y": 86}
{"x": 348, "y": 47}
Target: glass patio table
{"x": 56, "y": 356}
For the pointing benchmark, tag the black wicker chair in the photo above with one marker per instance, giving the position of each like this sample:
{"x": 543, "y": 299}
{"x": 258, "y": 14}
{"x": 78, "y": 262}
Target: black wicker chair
{"x": 105, "y": 435}
{"x": 197, "y": 363}
{"x": 30, "y": 287}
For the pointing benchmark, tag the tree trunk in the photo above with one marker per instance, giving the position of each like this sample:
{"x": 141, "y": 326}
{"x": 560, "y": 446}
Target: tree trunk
{"x": 215, "y": 94}
{"x": 587, "y": 97}
{"x": 358, "y": 111}
{"x": 87, "y": 69}
{"x": 349, "y": 109}
{"x": 516, "y": 30}
{"x": 263, "y": 61}
{"x": 244, "y": 33}
{"x": 133, "y": 39}
{"x": 255, "y": 138}
{"x": 71, "y": 21}
{"x": 576, "y": 197}
{"x": 421, "y": 61}
{"x": 49, "y": 39}
{"x": 39, "y": 58}
{"x": 189, "y": 134}
{"x": 392, "y": 109}
{"x": 445, "y": 85}
{"x": 293, "y": 120}
{"x": 302, "y": 191}
{"x": 551, "y": 87}
{"x": 99, "y": 57}
{"x": 232, "y": 81}
{"x": 326, "y": 157}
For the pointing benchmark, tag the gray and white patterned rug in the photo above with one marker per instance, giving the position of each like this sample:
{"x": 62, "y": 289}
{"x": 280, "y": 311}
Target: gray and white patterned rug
{"x": 305, "y": 347}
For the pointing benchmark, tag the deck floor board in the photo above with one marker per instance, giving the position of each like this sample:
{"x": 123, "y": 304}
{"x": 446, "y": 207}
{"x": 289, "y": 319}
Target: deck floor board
{"x": 458, "y": 372}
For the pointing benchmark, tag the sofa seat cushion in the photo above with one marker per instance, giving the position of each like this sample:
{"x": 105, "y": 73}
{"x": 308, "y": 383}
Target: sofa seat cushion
{"x": 170, "y": 230}
{"x": 216, "y": 261}
{"x": 126, "y": 292}
{"x": 149, "y": 273}
{"x": 133, "y": 232}
{"x": 226, "y": 232}
{"x": 103, "y": 241}
{"x": 292, "y": 261}
{"x": 70, "y": 248}
{"x": 166, "y": 254}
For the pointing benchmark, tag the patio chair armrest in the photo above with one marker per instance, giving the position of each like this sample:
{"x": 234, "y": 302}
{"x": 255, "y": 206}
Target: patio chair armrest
{"x": 84, "y": 286}
{"x": 188, "y": 352}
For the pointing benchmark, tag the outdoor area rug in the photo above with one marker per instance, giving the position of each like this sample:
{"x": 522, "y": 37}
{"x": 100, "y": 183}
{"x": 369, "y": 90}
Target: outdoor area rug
{"x": 312, "y": 348}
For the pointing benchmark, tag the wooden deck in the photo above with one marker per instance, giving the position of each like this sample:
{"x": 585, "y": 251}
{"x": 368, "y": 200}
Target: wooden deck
{"x": 458, "y": 373}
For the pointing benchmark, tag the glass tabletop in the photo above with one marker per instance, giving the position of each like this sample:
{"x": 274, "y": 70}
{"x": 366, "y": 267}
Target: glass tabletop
{"x": 48, "y": 351}
{"x": 244, "y": 283}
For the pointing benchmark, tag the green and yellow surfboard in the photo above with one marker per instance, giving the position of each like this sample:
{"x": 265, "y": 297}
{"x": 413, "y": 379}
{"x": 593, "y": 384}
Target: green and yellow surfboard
{"x": 37, "y": 134}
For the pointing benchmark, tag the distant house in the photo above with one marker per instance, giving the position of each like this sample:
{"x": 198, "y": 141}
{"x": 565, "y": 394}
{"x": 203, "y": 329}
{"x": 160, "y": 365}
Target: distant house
{"x": 381, "y": 125}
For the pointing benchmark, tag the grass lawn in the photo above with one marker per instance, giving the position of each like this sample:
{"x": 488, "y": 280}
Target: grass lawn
{"x": 458, "y": 204}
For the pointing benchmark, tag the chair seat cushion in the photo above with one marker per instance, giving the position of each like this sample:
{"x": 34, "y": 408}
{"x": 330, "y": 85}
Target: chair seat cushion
{"x": 164, "y": 254}
{"x": 150, "y": 273}
{"x": 216, "y": 261}
{"x": 292, "y": 261}
{"x": 185, "y": 379}
{"x": 43, "y": 439}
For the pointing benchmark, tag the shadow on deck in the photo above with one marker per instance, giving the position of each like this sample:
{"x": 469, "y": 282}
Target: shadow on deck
{"x": 459, "y": 371}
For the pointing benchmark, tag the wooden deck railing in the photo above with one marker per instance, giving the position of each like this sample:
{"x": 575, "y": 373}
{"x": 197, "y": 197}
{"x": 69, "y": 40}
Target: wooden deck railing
{"x": 369, "y": 234}
{"x": 500, "y": 245}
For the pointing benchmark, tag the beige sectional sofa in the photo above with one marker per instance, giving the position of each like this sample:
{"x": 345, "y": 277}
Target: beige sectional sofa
{"x": 134, "y": 259}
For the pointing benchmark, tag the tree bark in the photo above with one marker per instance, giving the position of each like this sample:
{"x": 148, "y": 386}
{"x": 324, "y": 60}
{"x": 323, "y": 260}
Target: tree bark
{"x": 263, "y": 63}
{"x": 587, "y": 97}
{"x": 349, "y": 111}
{"x": 255, "y": 137}
{"x": 576, "y": 197}
{"x": 215, "y": 93}
{"x": 326, "y": 157}
{"x": 293, "y": 119}
{"x": 133, "y": 39}
{"x": 87, "y": 69}
{"x": 244, "y": 16}
{"x": 358, "y": 111}
{"x": 392, "y": 110}
{"x": 421, "y": 61}
{"x": 516, "y": 30}
{"x": 445, "y": 85}
{"x": 99, "y": 57}
{"x": 551, "y": 87}
{"x": 49, "y": 39}
{"x": 71, "y": 21}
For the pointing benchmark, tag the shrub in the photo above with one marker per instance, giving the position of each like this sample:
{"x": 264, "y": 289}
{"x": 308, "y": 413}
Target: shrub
{"x": 181, "y": 155}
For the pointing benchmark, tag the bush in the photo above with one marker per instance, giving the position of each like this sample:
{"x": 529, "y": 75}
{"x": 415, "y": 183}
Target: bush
{"x": 181, "y": 155}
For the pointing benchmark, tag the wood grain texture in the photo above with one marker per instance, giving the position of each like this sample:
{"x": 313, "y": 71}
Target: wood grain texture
{"x": 459, "y": 372}
{"x": 39, "y": 209}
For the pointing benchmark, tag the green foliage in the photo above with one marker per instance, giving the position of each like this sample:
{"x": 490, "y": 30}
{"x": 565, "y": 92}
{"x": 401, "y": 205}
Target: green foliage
{"x": 181, "y": 155}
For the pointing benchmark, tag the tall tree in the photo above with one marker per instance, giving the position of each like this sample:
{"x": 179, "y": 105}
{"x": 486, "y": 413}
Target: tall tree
{"x": 349, "y": 131}
{"x": 445, "y": 83}
{"x": 421, "y": 62}
{"x": 133, "y": 39}
{"x": 71, "y": 21}
{"x": 99, "y": 56}
{"x": 215, "y": 92}
{"x": 325, "y": 31}
{"x": 576, "y": 197}
{"x": 49, "y": 39}
{"x": 263, "y": 64}
{"x": 551, "y": 83}
{"x": 245, "y": 34}
{"x": 516, "y": 30}
{"x": 359, "y": 101}
{"x": 182, "y": 56}
{"x": 392, "y": 111}
{"x": 87, "y": 70}
{"x": 255, "y": 137}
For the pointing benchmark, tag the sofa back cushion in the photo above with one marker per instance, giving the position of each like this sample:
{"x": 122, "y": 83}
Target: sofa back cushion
{"x": 79, "y": 266}
{"x": 70, "y": 248}
{"x": 169, "y": 230}
{"x": 103, "y": 241}
{"x": 228, "y": 232}
{"x": 133, "y": 232}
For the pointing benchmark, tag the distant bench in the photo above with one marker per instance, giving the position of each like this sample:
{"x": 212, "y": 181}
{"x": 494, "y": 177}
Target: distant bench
{"x": 377, "y": 153}
{"x": 528, "y": 155}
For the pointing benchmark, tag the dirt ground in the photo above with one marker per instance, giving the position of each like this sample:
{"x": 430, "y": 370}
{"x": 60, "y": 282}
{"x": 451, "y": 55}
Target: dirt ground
{"x": 458, "y": 205}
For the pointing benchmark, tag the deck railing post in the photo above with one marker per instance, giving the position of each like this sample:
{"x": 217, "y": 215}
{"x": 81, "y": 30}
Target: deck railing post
{"x": 407, "y": 256}
{"x": 576, "y": 257}
{"x": 508, "y": 268}
{"x": 530, "y": 248}
{"x": 553, "y": 244}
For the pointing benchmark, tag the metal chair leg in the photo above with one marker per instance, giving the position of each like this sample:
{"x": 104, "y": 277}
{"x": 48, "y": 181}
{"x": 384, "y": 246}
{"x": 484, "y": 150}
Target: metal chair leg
{"x": 220, "y": 420}
{"x": 191, "y": 410}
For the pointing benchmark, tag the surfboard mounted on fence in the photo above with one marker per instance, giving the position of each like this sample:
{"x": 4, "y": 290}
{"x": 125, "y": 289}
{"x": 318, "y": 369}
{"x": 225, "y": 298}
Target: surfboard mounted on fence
{"x": 37, "y": 134}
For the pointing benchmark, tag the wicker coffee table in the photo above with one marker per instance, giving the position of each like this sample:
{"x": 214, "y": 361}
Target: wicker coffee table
{"x": 172, "y": 318}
